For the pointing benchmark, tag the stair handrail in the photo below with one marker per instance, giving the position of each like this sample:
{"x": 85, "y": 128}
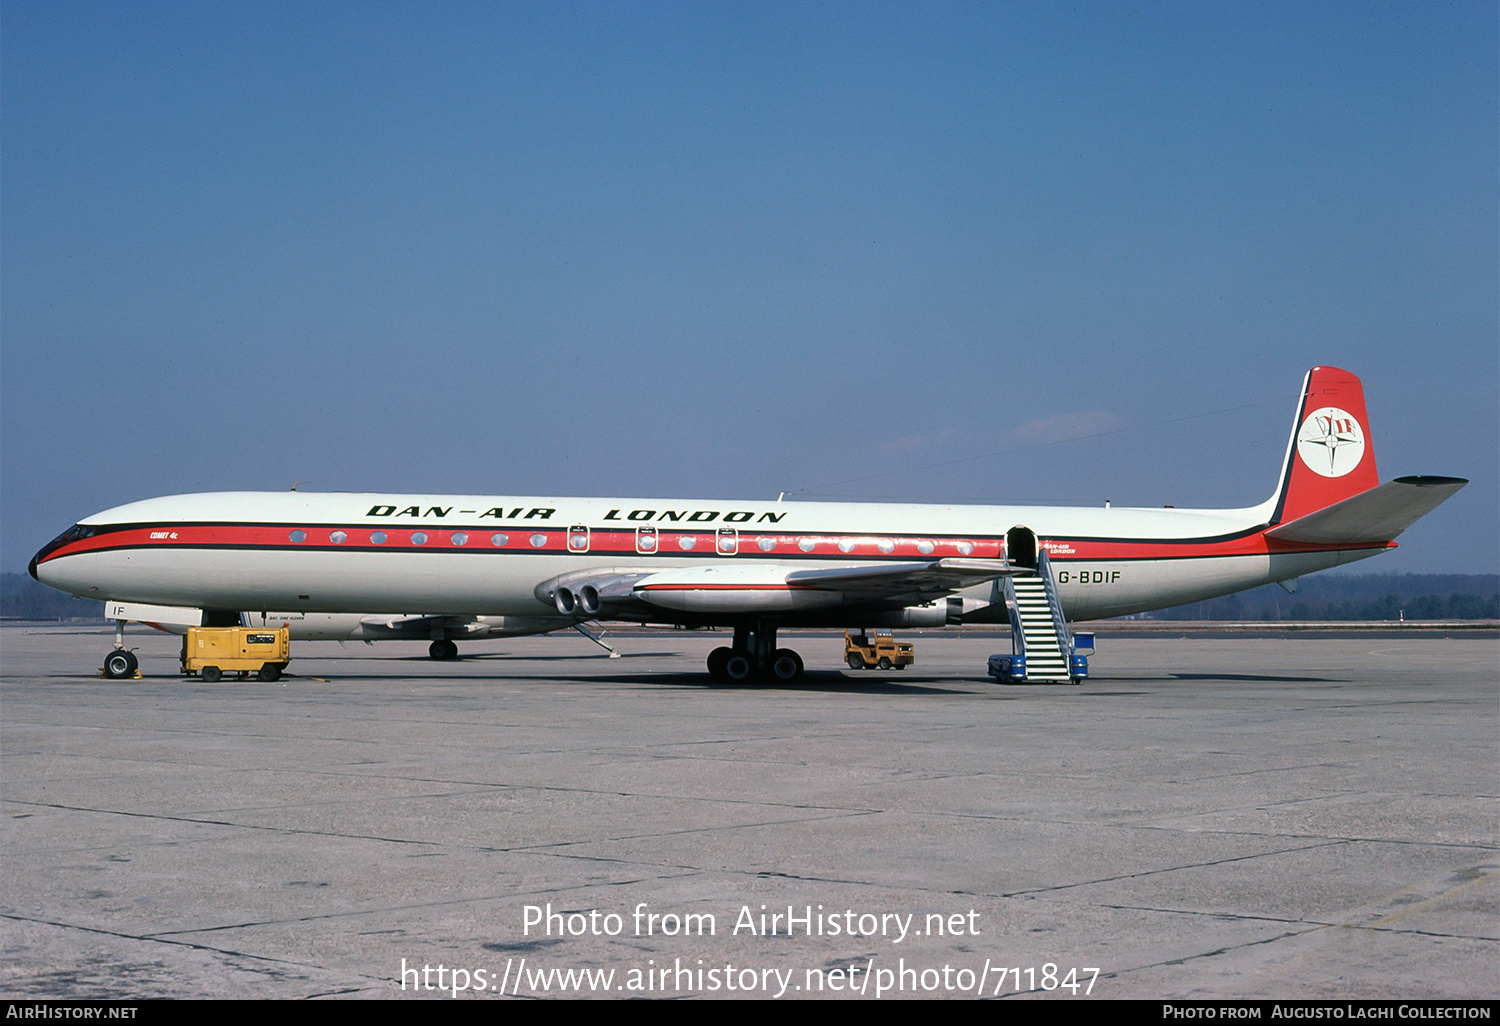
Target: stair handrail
{"x": 1059, "y": 621}
{"x": 1013, "y": 611}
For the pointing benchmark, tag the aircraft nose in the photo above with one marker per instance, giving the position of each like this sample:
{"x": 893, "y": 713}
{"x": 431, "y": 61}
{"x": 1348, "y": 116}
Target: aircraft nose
{"x": 71, "y": 534}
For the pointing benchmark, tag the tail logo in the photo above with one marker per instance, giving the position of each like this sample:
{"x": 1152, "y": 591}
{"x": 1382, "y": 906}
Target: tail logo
{"x": 1330, "y": 442}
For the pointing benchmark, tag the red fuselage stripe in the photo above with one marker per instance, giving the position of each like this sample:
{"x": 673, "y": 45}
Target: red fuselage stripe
{"x": 704, "y": 544}
{"x": 730, "y": 587}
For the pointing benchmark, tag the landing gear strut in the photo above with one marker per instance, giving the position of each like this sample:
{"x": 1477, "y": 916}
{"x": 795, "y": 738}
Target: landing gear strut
{"x": 754, "y": 654}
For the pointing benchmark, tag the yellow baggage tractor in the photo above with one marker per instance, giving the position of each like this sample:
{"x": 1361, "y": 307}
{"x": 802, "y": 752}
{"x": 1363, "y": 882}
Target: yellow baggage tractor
{"x": 884, "y": 651}
{"x": 211, "y": 652}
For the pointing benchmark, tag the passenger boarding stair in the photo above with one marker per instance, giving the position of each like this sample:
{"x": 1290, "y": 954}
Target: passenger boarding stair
{"x": 1039, "y": 631}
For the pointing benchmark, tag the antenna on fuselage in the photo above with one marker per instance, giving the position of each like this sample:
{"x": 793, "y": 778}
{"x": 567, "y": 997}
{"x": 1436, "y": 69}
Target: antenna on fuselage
{"x": 296, "y": 483}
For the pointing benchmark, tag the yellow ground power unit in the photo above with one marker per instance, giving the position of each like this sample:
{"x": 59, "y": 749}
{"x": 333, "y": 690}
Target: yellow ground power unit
{"x": 212, "y": 652}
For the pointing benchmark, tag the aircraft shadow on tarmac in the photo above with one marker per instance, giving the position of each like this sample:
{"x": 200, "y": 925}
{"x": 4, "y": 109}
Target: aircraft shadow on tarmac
{"x": 812, "y": 680}
{"x": 1254, "y": 677}
{"x": 474, "y": 657}
{"x": 563, "y": 658}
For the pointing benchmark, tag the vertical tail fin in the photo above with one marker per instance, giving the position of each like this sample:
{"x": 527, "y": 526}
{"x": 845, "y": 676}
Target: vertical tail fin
{"x": 1329, "y": 456}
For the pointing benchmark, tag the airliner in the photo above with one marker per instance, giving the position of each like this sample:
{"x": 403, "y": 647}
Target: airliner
{"x": 748, "y": 565}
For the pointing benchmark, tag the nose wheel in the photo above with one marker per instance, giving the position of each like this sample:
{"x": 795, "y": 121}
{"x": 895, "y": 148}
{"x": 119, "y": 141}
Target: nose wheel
{"x": 120, "y": 664}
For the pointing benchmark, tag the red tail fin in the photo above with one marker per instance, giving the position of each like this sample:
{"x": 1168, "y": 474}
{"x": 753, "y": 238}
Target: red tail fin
{"x": 1330, "y": 456}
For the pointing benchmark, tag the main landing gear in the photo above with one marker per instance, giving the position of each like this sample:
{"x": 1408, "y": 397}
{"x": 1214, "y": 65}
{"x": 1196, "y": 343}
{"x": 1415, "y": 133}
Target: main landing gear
{"x": 443, "y": 649}
{"x": 754, "y": 654}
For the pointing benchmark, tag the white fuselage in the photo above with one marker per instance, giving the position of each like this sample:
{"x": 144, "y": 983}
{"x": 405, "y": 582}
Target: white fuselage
{"x": 485, "y": 555}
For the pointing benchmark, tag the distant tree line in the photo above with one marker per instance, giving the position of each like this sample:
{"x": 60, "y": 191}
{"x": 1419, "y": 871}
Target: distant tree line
{"x": 1355, "y": 597}
{"x": 22, "y": 598}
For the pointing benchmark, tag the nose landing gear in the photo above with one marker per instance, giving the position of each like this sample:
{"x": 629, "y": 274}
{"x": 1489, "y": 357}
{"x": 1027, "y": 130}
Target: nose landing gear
{"x": 120, "y": 664}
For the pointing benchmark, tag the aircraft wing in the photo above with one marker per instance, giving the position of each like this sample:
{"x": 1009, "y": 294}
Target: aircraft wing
{"x": 894, "y": 580}
{"x": 756, "y": 587}
{"x": 1375, "y": 515}
{"x": 752, "y": 587}
{"x": 420, "y": 626}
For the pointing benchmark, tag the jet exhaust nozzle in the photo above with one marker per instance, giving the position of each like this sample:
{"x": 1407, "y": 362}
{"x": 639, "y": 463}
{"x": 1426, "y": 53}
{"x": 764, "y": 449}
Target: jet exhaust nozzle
{"x": 588, "y": 599}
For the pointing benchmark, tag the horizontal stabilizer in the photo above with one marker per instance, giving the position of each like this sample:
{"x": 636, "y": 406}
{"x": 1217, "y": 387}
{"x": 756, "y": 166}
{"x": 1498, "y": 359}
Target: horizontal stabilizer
{"x": 1376, "y": 515}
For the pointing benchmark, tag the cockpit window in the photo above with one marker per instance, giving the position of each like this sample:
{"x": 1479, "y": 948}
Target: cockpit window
{"x": 75, "y": 533}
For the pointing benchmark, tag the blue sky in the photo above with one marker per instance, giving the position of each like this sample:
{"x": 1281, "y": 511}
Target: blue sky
{"x": 711, "y": 249}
